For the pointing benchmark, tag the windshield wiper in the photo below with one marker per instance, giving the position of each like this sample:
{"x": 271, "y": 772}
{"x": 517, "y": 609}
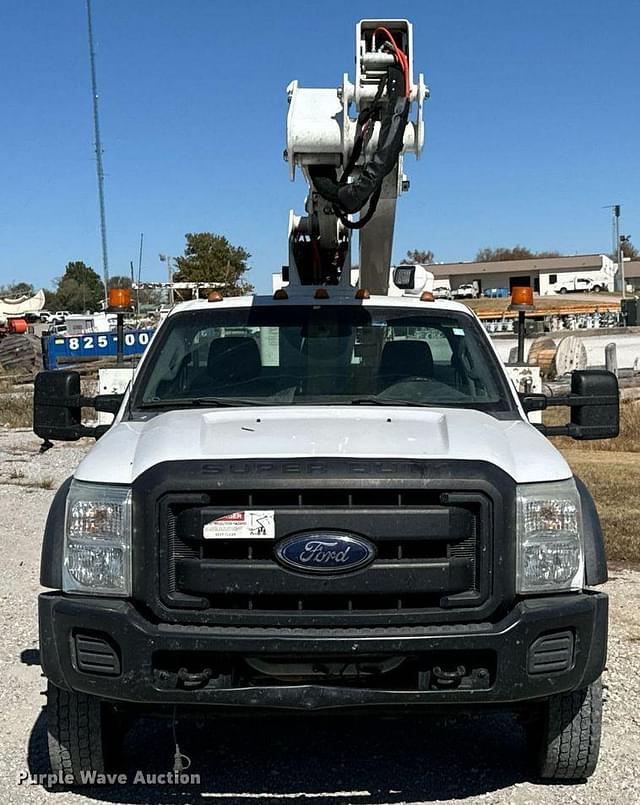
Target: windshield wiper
{"x": 387, "y": 401}
{"x": 205, "y": 402}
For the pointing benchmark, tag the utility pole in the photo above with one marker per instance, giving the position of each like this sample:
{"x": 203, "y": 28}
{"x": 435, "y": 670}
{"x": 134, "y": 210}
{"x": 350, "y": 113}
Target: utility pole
{"x": 99, "y": 166}
{"x": 139, "y": 273}
{"x": 621, "y": 241}
{"x": 166, "y": 259}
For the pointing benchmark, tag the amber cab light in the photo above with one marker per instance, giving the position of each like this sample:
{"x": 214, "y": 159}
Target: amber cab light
{"x": 281, "y": 294}
{"x": 119, "y": 298}
{"x": 321, "y": 293}
{"x": 214, "y": 296}
{"x": 427, "y": 296}
{"x": 521, "y": 295}
{"x": 362, "y": 293}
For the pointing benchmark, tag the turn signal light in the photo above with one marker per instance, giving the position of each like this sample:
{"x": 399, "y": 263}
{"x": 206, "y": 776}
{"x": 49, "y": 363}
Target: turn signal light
{"x": 119, "y": 298}
{"x": 521, "y": 295}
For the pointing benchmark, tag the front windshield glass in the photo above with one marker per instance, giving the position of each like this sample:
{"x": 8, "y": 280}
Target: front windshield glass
{"x": 323, "y": 354}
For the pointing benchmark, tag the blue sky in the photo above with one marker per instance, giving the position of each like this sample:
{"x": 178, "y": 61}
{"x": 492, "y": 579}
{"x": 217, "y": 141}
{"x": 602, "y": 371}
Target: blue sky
{"x": 532, "y": 125}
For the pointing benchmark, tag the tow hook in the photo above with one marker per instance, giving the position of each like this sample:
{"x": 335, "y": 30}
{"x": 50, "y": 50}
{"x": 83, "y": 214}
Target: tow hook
{"x": 447, "y": 678}
{"x": 192, "y": 681}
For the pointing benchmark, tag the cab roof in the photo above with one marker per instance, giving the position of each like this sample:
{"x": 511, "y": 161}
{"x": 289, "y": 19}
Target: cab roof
{"x": 334, "y": 298}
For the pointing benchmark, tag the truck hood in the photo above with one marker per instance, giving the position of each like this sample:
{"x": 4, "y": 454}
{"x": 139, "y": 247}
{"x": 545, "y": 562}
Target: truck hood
{"x": 130, "y": 448}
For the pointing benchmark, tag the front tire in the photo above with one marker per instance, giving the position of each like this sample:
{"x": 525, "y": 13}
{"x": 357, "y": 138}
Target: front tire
{"x": 563, "y": 290}
{"x": 81, "y": 733}
{"x": 568, "y": 736}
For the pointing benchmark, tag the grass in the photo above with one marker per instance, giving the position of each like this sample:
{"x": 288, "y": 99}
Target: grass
{"x": 611, "y": 470}
{"x": 627, "y": 442}
{"x": 16, "y": 410}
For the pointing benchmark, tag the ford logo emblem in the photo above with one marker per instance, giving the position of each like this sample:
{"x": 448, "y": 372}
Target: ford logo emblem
{"x": 325, "y": 552}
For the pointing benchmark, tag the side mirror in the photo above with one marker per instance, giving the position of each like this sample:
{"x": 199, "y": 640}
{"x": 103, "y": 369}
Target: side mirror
{"x": 597, "y": 415}
{"x": 595, "y": 406}
{"x": 56, "y": 406}
{"x": 58, "y": 403}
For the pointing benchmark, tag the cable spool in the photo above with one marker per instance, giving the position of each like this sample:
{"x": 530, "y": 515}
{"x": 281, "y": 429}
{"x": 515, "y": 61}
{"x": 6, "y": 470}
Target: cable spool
{"x": 542, "y": 353}
{"x": 570, "y": 355}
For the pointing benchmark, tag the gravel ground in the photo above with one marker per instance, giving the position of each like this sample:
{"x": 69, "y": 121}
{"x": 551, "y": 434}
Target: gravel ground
{"x": 324, "y": 761}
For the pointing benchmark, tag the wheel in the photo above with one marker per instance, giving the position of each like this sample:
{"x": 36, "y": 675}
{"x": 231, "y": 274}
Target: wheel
{"x": 563, "y": 290}
{"x": 596, "y": 289}
{"x": 83, "y": 736}
{"x": 568, "y": 734}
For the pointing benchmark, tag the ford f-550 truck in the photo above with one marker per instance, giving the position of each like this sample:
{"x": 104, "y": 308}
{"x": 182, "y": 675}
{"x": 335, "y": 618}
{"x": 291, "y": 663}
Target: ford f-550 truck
{"x": 326, "y": 499}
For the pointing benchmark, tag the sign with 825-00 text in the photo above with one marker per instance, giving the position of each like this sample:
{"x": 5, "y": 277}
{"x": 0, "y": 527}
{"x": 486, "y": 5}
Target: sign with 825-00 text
{"x": 60, "y": 349}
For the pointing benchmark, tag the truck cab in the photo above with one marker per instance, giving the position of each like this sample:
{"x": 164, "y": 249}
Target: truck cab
{"x": 321, "y": 501}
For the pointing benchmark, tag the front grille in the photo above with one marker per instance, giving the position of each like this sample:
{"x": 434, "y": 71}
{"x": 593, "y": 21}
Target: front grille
{"x": 433, "y": 557}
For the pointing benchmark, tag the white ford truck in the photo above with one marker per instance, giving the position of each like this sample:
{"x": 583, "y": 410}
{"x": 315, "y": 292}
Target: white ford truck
{"x": 325, "y": 499}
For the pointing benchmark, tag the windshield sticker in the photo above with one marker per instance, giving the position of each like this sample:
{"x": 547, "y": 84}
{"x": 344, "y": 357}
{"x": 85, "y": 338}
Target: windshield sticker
{"x": 458, "y": 331}
{"x": 255, "y": 524}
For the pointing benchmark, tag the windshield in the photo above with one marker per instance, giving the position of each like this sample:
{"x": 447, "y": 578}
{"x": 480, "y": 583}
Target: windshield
{"x": 322, "y": 354}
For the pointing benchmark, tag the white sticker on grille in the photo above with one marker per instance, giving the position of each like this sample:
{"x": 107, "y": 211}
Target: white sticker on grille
{"x": 254, "y": 524}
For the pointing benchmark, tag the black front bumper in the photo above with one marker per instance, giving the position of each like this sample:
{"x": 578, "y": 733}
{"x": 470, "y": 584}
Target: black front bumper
{"x": 139, "y": 642}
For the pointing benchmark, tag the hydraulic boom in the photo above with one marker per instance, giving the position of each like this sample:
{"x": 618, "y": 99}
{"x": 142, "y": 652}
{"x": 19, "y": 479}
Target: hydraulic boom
{"x": 354, "y": 165}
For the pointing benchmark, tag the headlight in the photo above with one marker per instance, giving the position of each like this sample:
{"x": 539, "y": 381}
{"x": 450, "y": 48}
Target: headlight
{"x": 549, "y": 532}
{"x": 97, "y": 540}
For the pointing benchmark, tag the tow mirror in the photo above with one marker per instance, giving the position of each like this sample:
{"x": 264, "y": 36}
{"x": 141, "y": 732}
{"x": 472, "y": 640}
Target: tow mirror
{"x": 595, "y": 406}
{"x": 58, "y": 403}
{"x": 598, "y": 416}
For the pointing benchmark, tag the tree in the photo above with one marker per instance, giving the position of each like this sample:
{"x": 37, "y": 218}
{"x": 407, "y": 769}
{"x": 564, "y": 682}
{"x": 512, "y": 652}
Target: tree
{"x": 628, "y": 249}
{"x": 119, "y": 282}
{"x": 488, "y": 255}
{"x": 79, "y": 289}
{"x": 211, "y": 258}
{"x": 416, "y": 256}
{"x": 14, "y": 289}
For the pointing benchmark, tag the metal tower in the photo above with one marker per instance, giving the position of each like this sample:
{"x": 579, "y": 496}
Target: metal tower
{"x": 99, "y": 166}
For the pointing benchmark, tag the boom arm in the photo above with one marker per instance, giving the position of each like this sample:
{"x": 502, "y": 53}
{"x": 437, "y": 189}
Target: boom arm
{"x": 354, "y": 165}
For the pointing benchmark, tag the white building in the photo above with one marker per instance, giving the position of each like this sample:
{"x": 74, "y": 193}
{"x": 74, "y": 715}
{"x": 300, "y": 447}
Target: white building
{"x": 546, "y": 275}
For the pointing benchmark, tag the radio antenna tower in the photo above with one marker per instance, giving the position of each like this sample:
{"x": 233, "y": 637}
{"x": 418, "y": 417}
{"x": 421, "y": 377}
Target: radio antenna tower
{"x": 99, "y": 166}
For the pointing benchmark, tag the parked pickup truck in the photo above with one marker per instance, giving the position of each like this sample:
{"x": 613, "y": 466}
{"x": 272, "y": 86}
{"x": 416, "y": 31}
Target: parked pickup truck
{"x": 322, "y": 503}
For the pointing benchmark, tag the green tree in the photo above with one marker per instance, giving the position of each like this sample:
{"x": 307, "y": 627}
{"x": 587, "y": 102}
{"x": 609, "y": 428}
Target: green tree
{"x": 80, "y": 288}
{"x": 211, "y": 258}
{"x": 488, "y": 255}
{"x": 416, "y": 256}
{"x": 51, "y": 301}
{"x": 14, "y": 289}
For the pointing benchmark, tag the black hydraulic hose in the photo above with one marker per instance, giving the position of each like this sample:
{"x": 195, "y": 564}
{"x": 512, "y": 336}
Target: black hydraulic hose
{"x": 348, "y": 198}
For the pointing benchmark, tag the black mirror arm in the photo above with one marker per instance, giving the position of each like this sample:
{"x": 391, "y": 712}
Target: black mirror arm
{"x": 539, "y": 402}
{"x": 108, "y": 403}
